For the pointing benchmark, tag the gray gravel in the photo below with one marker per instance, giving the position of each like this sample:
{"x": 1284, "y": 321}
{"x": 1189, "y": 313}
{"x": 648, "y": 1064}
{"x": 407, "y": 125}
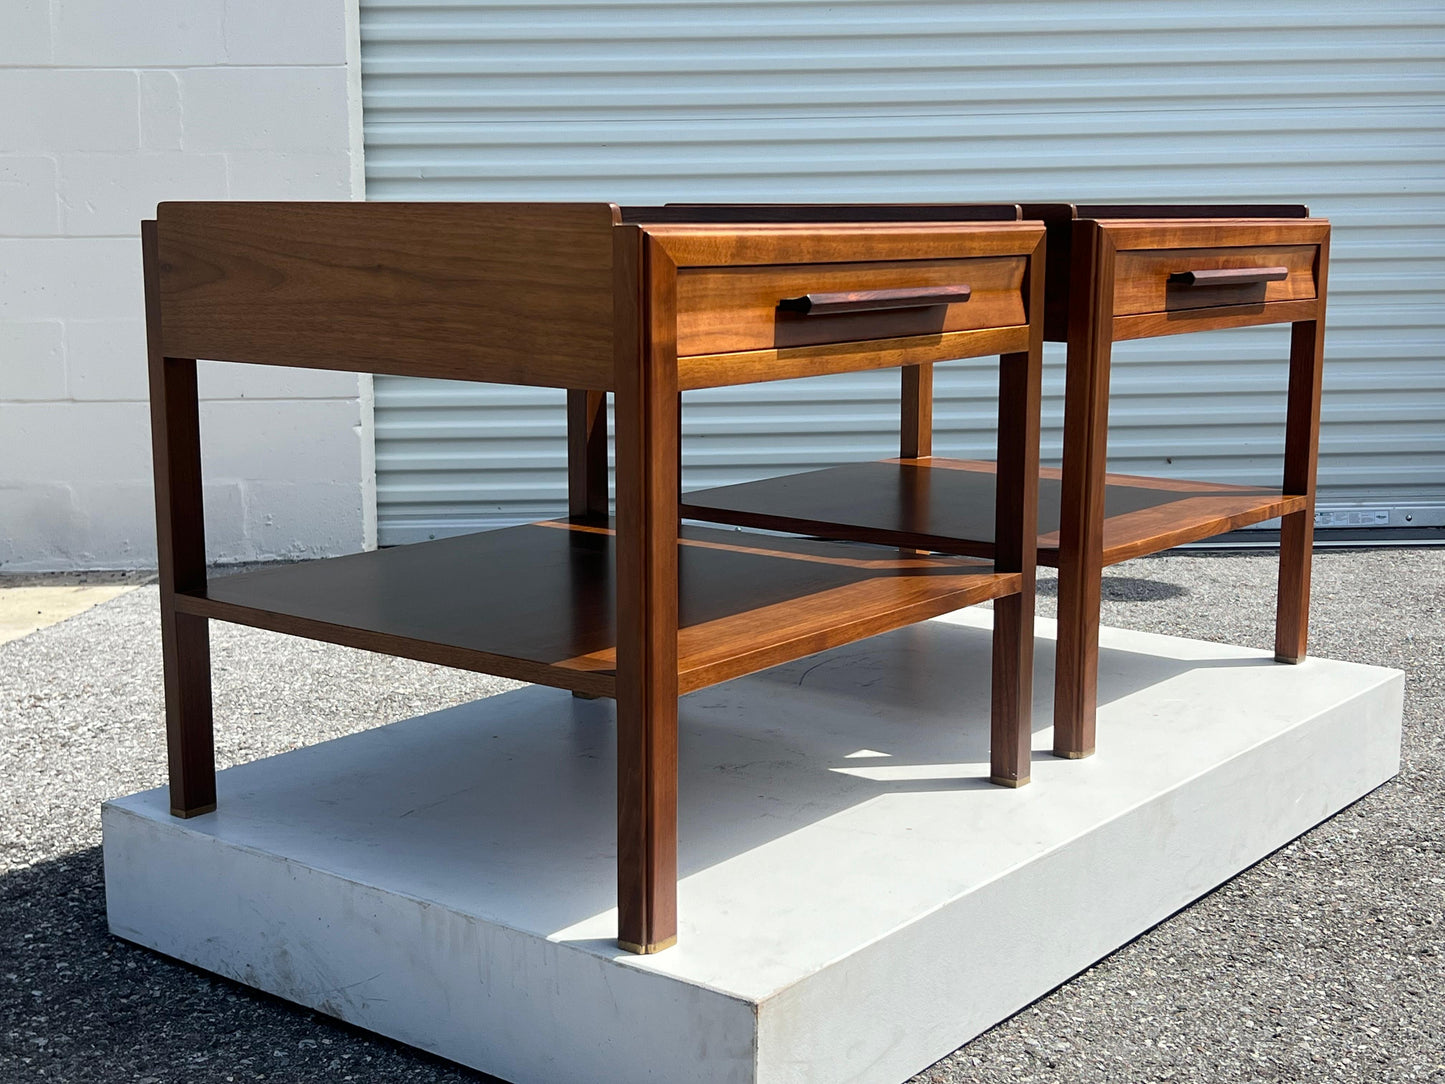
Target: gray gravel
{"x": 1322, "y": 963}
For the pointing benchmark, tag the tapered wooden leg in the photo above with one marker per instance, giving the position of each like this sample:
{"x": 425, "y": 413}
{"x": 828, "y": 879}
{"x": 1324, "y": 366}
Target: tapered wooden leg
{"x": 1016, "y": 550}
{"x": 587, "y": 461}
{"x": 916, "y": 412}
{"x": 1081, "y": 518}
{"x": 587, "y": 453}
{"x": 181, "y": 558}
{"x": 915, "y": 435}
{"x": 1010, "y": 726}
{"x": 647, "y": 613}
{"x": 1296, "y": 536}
{"x": 1076, "y": 673}
{"x": 190, "y": 754}
{"x": 181, "y": 550}
{"x": 1292, "y": 613}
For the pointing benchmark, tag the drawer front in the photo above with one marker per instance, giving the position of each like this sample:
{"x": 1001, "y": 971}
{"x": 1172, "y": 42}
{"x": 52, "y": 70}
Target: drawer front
{"x": 1167, "y": 280}
{"x": 729, "y": 309}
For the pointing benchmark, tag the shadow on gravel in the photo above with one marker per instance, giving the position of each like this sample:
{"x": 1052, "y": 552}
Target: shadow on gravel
{"x": 78, "y": 1005}
{"x": 1125, "y": 589}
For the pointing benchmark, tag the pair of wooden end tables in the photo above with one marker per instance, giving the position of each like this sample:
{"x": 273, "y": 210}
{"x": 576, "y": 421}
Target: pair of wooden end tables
{"x": 646, "y": 303}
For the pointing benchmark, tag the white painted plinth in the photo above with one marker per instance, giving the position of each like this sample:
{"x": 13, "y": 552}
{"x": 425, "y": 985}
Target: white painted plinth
{"x": 855, "y": 901}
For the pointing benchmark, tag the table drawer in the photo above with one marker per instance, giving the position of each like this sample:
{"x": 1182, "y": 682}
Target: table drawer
{"x": 1166, "y": 280}
{"x": 730, "y": 309}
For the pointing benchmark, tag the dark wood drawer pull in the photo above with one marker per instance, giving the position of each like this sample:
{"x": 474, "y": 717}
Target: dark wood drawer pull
{"x": 871, "y": 300}
{"x": 1230, "y": 276}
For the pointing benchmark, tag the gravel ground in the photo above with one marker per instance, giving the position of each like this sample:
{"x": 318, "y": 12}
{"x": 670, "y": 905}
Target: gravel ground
{"x": 1321, "y": 963}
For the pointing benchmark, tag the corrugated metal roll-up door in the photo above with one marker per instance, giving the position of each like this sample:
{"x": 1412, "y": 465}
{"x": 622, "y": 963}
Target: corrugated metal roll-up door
{"x": 1334, "y": 104}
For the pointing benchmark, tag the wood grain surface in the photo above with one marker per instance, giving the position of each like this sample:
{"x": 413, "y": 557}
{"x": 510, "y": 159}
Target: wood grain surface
{"x": 1142, "y": 279}
{"x": 586, "y": 453}
{"x": 1301, "y": 459}
{"x": 721, "y": 310}
{"x": 1156, "y": 233}
{"x": 1016, "y": 506}
{"x": 915, "y": 419}
{"x": 1059, "y": 218}
{"x": 946, "y": 506}
{"x": 514, "y": 293}
{"x": 537, "y": 602}
{"x": 181, "y": 558}
{"x": 755, "y": 245}
{"x": 647, "y": 585}
{"x": 785, "y": 363}
{"x": 1153, "y": 325}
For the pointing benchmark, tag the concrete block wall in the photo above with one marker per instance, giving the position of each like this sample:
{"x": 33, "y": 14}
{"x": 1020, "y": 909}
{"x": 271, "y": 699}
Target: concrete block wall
{"x": 106, "y": 109}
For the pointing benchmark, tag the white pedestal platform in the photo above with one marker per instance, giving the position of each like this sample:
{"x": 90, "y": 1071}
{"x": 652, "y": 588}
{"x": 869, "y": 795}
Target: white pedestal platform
{"x": 855, "y": 903}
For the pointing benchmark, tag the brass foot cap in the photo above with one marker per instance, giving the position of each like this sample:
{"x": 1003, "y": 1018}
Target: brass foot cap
{"x": 1000, "y": 781}
{"x": 1073, "y": 754}
{"x": 186, "y": 814}
{"x": 647, "y": 950}
{"x": 1289, "y": 661}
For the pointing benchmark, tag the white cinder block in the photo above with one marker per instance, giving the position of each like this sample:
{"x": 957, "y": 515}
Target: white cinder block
{"x": 89, "y": 149}
{"x": 230, "y": 380}
{"x": 71, "y": 278}
{"x": 225, "y": 514}
{"x": 160, "y": 111}
{"x": 115, "y": 527}
{"x": 51, "y": 526}
{"x": 69, "y": 110}
{"x": 295, "y": 521}
{"x": 25, "y": 32}
{"x": 274, "y": 109}
{"x": 290, "y": 175}
{"x": 109, "y": 194}
{"x": 106, "y": 359}
{"x": 285, "y": 32}
{"x": 28, "y": 204}
{"x": 120, "y": 526}
{"x": 158, "y": 33}
{"x": 41, "y": 523}
{"x": 288, "y": 440}
{"x": 74, "y": 442}
{"x": 32, "y": 360}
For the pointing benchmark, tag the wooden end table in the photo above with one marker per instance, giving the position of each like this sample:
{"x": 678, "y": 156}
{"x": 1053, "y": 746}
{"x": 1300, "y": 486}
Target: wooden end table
{"x": 1115, "y": 272}
{"x": 573, "y": 296}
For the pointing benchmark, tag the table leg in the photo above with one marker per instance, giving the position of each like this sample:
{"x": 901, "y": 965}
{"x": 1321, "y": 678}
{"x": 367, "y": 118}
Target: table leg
{"x": 915, "y": 433}
{"x": 586, "y": 461}
{"x": 1081, "y": 519}
{"x": 181, "y": 558}
{"x": 916, "y": 420}
{"x": 587, "y": 453}
{"x": 647, "y": 615}
{"x": 1301, "y": 454}
{"x": 1015, "y": 550}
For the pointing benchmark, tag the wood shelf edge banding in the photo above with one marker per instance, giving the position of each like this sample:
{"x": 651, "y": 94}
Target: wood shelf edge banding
{"x": 757, "y": 601}
{"x": 820, "y": 503}
{"x": 597, "y": 683}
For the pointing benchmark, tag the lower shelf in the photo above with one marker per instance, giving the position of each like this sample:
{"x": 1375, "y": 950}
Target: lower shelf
{"x": 946, "y": 505}
{"x": 536, "y": 602}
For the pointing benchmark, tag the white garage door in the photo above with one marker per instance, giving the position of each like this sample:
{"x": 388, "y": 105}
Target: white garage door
{"x": 1337, "y": 105}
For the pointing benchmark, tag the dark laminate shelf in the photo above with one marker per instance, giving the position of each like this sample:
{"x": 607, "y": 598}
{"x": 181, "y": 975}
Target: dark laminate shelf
{"x": 947, "y": 505}
{"x": 536, "y": 602}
